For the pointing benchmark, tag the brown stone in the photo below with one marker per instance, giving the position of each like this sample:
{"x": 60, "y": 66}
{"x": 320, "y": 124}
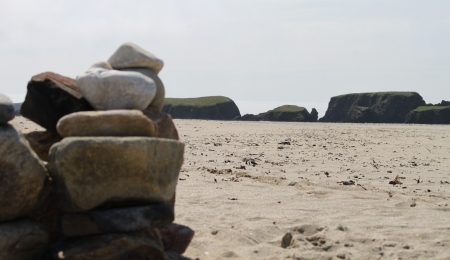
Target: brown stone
{"x": 89, "y": 172}
{"x": 41, "y": 141}
{"x": 164, "y": 126}
{"x": 106, "y": 123}
{"x": 51, "y": 96}
{"x": 23, "y": 177}
{"x": 176, "y": 237}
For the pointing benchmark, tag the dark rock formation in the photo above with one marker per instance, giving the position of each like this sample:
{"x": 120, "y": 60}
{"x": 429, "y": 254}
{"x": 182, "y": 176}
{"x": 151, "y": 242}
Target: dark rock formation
{"x": 389, "y": 107}
{"x": 443, "y": 103}
{"x": 126, "y": 219}
{"x": 213, "y": 107}
{"x": 358, "y": 114}
{"x": 22, "y": 239}
{"x": 314, "y": 115}
{"x": 286, "y": 113}
{"x": 51, "y": 96}
{"x": 248, "y": 117}
{"x": 429, "y": 115}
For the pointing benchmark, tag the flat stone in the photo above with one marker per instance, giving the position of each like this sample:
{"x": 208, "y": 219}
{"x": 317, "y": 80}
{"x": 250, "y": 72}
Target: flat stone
{"x": 111, "y": 247}
{"x": 164, "y": 126}
{"x": 7, "y": 111}
{"x": 51, "y": 96}
{"x": 22, "y": 239}
{"x": 106, "y": 123}
{"x": 41, "y": 141}
{"x": 127, "y": 219}
{"x": 157, "y": 103}
{"x": 108, "y": 89}
{"x": 89, "y": 172}
{"x": 130, "y": 55}
{"x": 176, "y": 237}
{"x": 23, "y": 176}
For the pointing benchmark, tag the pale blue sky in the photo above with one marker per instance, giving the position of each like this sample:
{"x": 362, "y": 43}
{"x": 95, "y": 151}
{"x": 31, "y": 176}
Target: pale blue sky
{"x": 259, "y": 53}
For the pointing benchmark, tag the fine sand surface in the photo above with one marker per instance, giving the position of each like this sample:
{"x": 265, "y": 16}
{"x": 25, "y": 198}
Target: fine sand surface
{"x": 298, "y": 188}
{"x": 244, "y": 185}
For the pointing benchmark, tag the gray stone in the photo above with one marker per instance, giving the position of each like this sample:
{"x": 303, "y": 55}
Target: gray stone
{"x": 286, "y": 240}
{"x": 22, "y": 175}
{"x": 111, "y": 247}
{"x": 106, "y": 123}
{"x": 22, "y": 239}
{"x": 92, "y": 171}
{"x": 130, "y": 55}
{"x": 107, "y": 89}
{"x": 127, "y": 219}
{"x": 7, "y": 111}
{"x": 157, "y": 103}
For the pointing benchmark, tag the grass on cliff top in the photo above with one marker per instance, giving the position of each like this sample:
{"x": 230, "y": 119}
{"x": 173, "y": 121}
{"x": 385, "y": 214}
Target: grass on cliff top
{"x": 287, "y": 108}
{"x": 392, "y": 93}
{"x": 196, "y": 102}
{"x": 427, "y": 108}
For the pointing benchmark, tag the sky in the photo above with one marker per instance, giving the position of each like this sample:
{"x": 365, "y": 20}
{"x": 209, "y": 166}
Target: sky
{"x": 260, "y": 53}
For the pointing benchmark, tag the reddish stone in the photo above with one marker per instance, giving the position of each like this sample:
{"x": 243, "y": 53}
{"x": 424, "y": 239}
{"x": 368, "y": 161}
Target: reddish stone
{"x": 51, "y": 96}
{"x": 176, "y": 237}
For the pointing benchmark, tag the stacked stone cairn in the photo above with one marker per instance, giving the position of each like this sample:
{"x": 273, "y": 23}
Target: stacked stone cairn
{"x": 100, "y": 182}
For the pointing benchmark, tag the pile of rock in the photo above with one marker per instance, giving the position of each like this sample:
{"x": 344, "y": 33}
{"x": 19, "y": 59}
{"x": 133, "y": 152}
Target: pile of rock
{"x": 23, "y": 181}
{"x": 108, "y": 190}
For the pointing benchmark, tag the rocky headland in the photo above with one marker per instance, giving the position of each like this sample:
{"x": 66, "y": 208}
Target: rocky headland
{"x": 286, "y": 113}
{"x": 211, "y": 108}
{"x": 378, "y": 107}
{"x": 429, "y": 115}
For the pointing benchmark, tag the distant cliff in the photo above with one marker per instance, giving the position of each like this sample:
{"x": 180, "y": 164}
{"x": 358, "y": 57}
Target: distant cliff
{"x": 286, "y": 113}
{"x": 378, "y": 107}
{"x": 429, "y": 115}
{"x": 213, "y": 107}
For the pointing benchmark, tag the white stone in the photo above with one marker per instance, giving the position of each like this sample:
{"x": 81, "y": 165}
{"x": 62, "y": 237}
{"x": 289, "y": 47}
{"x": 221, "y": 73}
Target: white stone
{"x": 157, "y": 103}
{"x": 130, "y": 55}
{"x": 107, "y": 89}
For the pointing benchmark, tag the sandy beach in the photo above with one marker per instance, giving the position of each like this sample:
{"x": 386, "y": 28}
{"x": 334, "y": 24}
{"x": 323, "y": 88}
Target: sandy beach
{"x": 274, "y": 178}
{"x": 245, "y": 185}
